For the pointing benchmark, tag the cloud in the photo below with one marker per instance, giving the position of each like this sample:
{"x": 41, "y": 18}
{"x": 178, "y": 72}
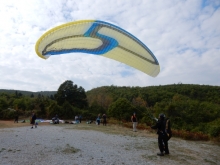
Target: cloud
{"x": 183, "y": 35}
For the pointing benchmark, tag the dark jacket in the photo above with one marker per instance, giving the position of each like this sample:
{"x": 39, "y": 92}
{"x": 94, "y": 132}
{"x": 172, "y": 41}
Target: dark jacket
{"x": 160, "y": 126}
{"x": 34, "y": 117}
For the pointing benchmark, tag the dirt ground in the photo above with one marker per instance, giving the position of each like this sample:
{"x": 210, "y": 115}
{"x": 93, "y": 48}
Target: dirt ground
{"x": 182, "y": 151}
{"x": 11, "y": 124}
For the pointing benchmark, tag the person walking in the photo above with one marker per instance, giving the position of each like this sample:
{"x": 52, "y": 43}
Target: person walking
{"x": 33, "y": 118}
{"x": 134, "y": 121}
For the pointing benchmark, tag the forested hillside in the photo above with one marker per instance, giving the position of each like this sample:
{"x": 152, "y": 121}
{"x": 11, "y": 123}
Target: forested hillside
{"x": 190, "y": 107}
{"x": 28, "y": 93}
{"x": 154, "y": 94}
{"x": 194, "y": 108}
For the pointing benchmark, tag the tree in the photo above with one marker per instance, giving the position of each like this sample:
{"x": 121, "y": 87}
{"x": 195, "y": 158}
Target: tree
{"x": 96, "y": 109}
{"x": 54, "y": 109}
{"x": 52, "y": 97}
{"x": 68, "y": 111}
{"x": 121, "y": 109}
{"x": 42, "y": 109}
{"x": 72, "y": 94}
{"x": 139, "y": 102}
{"x": 20, "y": 94}
{"x": 81, "y": 99}
{"x": 3, "y": 103}
{"x": 20, "y": 104}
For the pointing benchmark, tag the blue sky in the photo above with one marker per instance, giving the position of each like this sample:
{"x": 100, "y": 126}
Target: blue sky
{"x": 184, "y": 35}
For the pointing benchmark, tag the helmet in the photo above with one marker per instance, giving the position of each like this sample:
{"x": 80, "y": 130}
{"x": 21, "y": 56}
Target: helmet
{"x": 162, "y": 116}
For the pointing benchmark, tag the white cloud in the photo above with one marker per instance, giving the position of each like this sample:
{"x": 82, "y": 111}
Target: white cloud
{"x": 184, "y": 36}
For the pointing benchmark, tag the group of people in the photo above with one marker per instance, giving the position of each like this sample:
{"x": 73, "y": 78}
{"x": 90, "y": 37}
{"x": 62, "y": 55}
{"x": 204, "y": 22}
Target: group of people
{"x": 78, "y": 119}
{"x": 32, "y": 120}
{"x": 104, "y": 121}
{"x": 163, "y": 130}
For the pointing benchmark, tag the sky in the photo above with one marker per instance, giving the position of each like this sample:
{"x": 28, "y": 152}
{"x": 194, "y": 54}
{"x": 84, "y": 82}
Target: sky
{"x": 184, "y": 36}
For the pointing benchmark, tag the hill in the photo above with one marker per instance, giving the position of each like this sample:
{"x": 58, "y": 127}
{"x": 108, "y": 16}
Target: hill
{"x": 28, "y": 93}
{"x": 194, "y": 108}
{"x": 154, "y": 94}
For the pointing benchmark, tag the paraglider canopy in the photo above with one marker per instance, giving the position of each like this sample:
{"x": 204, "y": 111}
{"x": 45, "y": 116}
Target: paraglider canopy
{"x": 98, "y": 38}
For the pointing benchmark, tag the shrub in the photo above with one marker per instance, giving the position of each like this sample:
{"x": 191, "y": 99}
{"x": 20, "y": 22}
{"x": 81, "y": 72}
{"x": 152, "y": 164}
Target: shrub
{"x": 214, "y": 131}
{"x": 7, "y": 114}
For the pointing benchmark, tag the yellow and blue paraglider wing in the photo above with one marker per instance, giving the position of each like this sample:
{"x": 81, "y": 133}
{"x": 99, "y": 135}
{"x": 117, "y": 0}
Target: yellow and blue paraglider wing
{"x": 98, "y": 38}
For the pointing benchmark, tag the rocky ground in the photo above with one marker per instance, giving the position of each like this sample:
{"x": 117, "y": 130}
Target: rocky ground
{"x": 69, "y": 144}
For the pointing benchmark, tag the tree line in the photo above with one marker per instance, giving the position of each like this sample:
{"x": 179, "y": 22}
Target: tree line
{"x": 190, "y": 107}
{"x": 194, "y": 108}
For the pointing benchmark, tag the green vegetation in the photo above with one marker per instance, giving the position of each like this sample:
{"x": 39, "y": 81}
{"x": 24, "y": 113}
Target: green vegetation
{"x": 194, "y": 110}
{"x": 67, "y": 102}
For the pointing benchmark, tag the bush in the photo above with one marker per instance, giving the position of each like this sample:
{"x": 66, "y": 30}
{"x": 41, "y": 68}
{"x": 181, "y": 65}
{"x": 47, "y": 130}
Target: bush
{"x": 190, "y": 135}
{"x": 213, "y": 128}
{"x": 7, "y": 114}
{"x": 214, "y": 131}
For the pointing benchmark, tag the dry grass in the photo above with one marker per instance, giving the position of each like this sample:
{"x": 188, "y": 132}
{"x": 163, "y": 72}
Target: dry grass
{"x": 11, "y": 124}
{"x": 70, "y": 150}
{"x": 116, "y": 129}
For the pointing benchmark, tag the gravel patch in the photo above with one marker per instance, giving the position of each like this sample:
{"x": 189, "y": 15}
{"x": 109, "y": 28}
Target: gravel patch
{"x": 63, "y": 145}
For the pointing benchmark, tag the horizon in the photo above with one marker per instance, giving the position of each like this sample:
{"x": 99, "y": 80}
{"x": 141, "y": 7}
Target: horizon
{"x": 117, "y": 86}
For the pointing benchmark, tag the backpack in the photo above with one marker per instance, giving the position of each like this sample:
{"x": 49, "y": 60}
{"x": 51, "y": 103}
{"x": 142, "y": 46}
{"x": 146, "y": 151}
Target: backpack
{"x": 168, "y": 128}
